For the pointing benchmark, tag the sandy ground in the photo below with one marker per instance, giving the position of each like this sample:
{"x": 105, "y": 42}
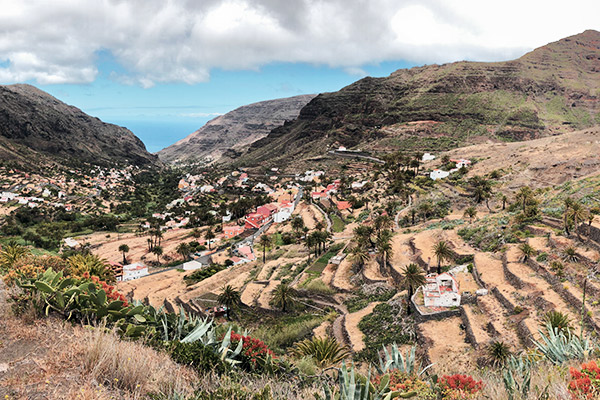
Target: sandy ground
{"x": 466, "y": 282}
{"x": 489, "y": 268}
{"x": 310, "y": 215}
{"x": 267, "y": 294}
{"x": 343, "y": 274}
{"x": 356, "y": 336}
{"x": 478, "y": 323}
{"x": 167, "y": 285}
{"x": 449, "y": 348}
{"x": 402, "y": 252}
{"x": 328, "y": 273}
{"x": 424, "y": 242}
{"x": 251, "y": 293}
{"x": 6, "y": 210}
{"x": 371, "y": 271}
{"x": 321, "y": 330}
{"x": 541, "y": 162}
{"x": 138, "y": 247}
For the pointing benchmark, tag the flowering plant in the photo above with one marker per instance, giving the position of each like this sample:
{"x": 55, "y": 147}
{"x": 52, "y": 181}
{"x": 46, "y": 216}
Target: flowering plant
{"x": 585, "y": 384}
{"x": 403, "y": 382}
{"x": 111, "y": 291}
{"x": 459, "y": 387}
{"x": 254, "y": 351}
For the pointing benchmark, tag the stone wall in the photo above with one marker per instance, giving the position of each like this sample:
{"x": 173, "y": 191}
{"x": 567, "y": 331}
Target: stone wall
{"x": 509, "y": 276}
{"x": 477, "y": 277}
{"x": 468, "y": 329}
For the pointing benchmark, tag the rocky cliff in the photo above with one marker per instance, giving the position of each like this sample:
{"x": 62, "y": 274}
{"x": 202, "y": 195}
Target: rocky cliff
{"x": 233, "y": 132}
{"x": 551, "y": 90}
{"x": 36, "y": 127}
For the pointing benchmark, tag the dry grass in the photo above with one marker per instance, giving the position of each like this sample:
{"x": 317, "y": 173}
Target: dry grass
{"x": 131, "y": 366}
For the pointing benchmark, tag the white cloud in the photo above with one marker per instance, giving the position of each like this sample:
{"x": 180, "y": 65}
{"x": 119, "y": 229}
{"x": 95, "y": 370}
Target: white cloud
{"x": 182, "y": 41}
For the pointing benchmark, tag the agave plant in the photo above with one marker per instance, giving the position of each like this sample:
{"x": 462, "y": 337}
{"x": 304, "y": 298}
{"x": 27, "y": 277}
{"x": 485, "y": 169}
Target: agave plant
{"x": 206, "y": 334}
{"x": 498, "y": 353}
{"x": 560, "y": 346}
{"x": 324, "y": 351}
{"x": 557, "y": 320}
{"x": 517, "y": 377}
{"x": 395, "y": 360}
{"x": 352, "y": 386}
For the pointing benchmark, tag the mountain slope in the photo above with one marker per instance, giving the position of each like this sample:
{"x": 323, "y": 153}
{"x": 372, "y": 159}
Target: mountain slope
{"x": 235, "y": 130}
{"x": 551, "y": 90}
{"x": 36, "y": 127}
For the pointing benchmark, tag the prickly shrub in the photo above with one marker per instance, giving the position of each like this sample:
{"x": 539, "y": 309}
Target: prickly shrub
{"x": 455, "y": 387}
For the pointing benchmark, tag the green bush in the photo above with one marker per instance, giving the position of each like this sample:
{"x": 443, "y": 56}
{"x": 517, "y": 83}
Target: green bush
{"x": 197, "y": 356}
{"x": 203, "y": 273}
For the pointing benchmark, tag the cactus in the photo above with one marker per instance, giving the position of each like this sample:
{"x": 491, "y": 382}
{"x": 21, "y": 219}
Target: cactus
{"x": 395, "y": 360}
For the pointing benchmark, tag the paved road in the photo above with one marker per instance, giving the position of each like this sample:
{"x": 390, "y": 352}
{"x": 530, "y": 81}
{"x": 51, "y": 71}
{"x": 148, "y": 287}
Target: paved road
{"x": 327, "y": 219}
{"x": 348, "y": 154}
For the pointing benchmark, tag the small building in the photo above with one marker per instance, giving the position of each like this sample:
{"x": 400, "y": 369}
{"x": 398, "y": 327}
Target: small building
{"x": 230, "y": 232}
{"x": 461, "y": 162}
{"x": 246, "y": 252}
{"x": 70, "y": 242}
{"x": 428, "y": 157}
{"x": 192, "y": 265}
{"x": 284, "y": 213}
{"x": 438, "y": 174}
{"x": 337, "y": 260}
{"x": 254, "y": 221}
{"x": 267, "y": 210}
{"x": 358, "y": 185}
{"x": 441, "y": 291}
{"x": 134, "y": 271}
{"x": 319, "y": 195}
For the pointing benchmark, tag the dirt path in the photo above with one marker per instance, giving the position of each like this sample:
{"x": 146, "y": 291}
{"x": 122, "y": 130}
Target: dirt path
{"x": 356, "y": 336}
{"x": 321, "y": 330}
{"x": 338, "y": 331}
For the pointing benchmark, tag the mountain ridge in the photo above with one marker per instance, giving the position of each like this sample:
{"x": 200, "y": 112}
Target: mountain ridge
{"x": 230, "y": 133}
{"x": 35, "y": 126}
{"x": 550, "y": 90}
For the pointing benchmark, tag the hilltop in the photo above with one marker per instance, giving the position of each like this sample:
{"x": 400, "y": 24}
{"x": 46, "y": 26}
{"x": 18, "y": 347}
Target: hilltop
{"x": 231, "y": 133}
{"x": 551, "y": 90}
{"x": 35, "y": 127}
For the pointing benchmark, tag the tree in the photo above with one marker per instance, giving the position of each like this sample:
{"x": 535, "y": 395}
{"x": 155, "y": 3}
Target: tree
{"x": 157, "y": 251}
{"x": 209, "y": 235}
{"x": 362, "y": 235}
{"x": 124, "y": 249}
{"x": 382, "y": 222}
{"x": 568, "y": 202}
{"x": 412, "y": 277}
{"x": 309, "y": 241}
{"x": 384, "y": 247}
{"x": 229, "y": 298}
{"x": 570, "y": 255}
{"x": 265, "y": 241}
{"x": 592, "y": 212}
{"x": 10, "y": 254}
{"x": 470, "y": 213}
{"x": 443, "y": 253}
{"x": 524, "y": 196}
{"x": 482, "y": 189}
{"x": 578, "y": 214}
{"x": 196, "y": 233}
{"x": 526, "y": 251}
{"x": 359, "y": 256}
{"x": 284, "y": 297}
{"x": 183, "y": 249}
{"x": 297, "y": 224}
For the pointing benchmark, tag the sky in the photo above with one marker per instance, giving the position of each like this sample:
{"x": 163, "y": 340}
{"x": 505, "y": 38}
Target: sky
{"x": 163, "y": 68}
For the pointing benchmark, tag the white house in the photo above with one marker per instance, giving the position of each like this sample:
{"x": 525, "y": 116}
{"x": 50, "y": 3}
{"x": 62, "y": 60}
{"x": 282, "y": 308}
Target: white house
{"x": 134, "y": 271}
{"x": 284, "y": 213}
{"x": 441, "y": 291}
{"x": 358, "y": 185}
{"x": 461, "y": 162}
{"x": 192, "y": 265}
{"x": 438, "y": 174}
{"x": 72, "y": 243}
{"x": 428, "y": 157}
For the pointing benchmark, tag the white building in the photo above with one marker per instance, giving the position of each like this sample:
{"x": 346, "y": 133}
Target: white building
{"x": 284, "y": 213}
{"x": 358, "y": 185}
{"x": 192, "y": 265}
{"x": 441, "y": 291}
{"x": 428, "y": 157}
{"x": 72, "y": 243}
{"x": 134, "y": 271}
{"x": 438, "y": 174}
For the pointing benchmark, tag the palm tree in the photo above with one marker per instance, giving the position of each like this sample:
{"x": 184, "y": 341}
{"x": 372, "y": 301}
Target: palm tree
{"x": 578, "y": 214}
{"x": 309, "y": 241}
{"x": 382, "y": 222}
{"x": 229, "y": 298}
{"x": 10, "y": 254}
{"x": 362, "y": 235}
{"x": 297, "y": 224}
{"x": 504, "y": 200}
{"x": 558, "y": 321}
{"x": 412, "y": 277}
{"x": 470, "y": 213}
{"x": 157, "y": 251}
{"x": 359, "y": 256}
{"x": 124, "y": 249}
{"x": 498, "y": 353}
{"x": 324, "y": 351}
{"x": 265, "y": 241}
{"x": 384, "y": 247}
{"x": 525, "y": 195}
{"x": 482, "y": 189}
{"x": 196, "y": 233}
{"x": 526, "y": 251}
{"x": 570, "y": 254}
{"x": 209, "y": 235}
{"x": 443, "y": 253}
{"x": 568, "y": 202}
{"x": 92, "y": 264}
{"x": 592, "y": 212}
{"x": 183, "y": 249}
{"x": 284, "y": 297}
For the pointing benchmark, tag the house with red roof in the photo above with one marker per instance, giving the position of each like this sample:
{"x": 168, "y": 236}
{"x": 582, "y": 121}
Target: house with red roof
{"x": 230, "y": 232}
{"x": 267, "y": 210}
{"x": 254, "y": 221}
{"x": 441, "y": 291}
{"x": 343, "y": 205}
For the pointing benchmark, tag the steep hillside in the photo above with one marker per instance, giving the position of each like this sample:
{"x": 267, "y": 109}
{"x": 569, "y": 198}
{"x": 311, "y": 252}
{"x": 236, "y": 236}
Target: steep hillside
{"x": 551, "y": 90}
{"x": 234, "y": 131}
{"x": 36, "y": 127}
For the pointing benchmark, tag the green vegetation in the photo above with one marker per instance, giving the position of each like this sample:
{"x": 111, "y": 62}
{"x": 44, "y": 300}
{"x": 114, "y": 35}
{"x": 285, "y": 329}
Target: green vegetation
{"x": 203, "y": 273}
{"x": 337, "y": 223}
